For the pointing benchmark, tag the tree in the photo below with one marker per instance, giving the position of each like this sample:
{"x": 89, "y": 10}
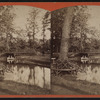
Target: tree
{"x": 6, "y": 26}
{"x": 33, "y": 27}
{"x": 57, "y": 19}
{"x": 66, "y": 33}
{"x": 78, "y": 28}
{"x": 68, "y": 24}
{"x": 45, "y": 22}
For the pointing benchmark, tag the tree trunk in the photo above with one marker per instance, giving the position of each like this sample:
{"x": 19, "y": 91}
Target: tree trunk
{"x": 7, "y": 43}
{"x": 66, "y": 34}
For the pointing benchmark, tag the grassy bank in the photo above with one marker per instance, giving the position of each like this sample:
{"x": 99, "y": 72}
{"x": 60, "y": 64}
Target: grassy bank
{"x": 68, "y": 85}
{"x": 13, "y": 88}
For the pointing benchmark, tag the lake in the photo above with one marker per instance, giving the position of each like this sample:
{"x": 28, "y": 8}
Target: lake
{"x": 30, "y": 74}
{"x": 90, "y": 71}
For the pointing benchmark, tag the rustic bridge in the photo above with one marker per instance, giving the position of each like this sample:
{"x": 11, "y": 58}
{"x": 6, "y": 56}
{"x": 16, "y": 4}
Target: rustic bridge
{"x": 82, "y": 57}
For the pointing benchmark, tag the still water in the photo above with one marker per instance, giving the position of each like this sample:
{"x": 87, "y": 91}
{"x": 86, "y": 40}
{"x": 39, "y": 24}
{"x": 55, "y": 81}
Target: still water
{"x": 89, "y": 72}
{"x": 27, "y": 74}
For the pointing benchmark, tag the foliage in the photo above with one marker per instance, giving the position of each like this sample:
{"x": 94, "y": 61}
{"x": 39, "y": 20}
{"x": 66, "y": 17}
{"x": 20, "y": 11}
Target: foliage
{"x": 80, "y": 31}
{"x": 6, "y": 25}
{"x": 22, "y": 40}
{"x": 46, "y": 26}
{"x": 32, "y": 25}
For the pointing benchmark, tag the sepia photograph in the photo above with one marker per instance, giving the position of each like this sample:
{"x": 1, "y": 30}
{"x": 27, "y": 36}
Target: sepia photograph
{"x": 75, "y": 50}
{"x": 49, "y": 52}
{"x": 25, "y": 50}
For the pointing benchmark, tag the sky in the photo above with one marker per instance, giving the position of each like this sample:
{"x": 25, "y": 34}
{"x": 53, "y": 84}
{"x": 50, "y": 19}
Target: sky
{"x": 94, "y": 19}
{"x": 20, "y": 20}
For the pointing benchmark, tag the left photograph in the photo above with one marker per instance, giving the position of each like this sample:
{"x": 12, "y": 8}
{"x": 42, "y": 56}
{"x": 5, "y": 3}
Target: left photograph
{"x": 25, "y": 51}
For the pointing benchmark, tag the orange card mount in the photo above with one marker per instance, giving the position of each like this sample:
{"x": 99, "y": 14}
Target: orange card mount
{"x": 50, "y": 6}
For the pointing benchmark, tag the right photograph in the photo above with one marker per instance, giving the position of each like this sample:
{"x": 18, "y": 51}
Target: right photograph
{"x": 75, "y": 50}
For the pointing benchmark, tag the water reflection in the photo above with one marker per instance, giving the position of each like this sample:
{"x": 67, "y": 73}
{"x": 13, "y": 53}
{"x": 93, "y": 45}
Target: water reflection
{"x": 27, "y": 74}
{"x": 89, "y": 72}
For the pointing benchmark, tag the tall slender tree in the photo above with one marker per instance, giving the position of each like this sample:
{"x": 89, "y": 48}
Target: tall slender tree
{"x": 32, "y": 22}
{"x": 46, "y": 23}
